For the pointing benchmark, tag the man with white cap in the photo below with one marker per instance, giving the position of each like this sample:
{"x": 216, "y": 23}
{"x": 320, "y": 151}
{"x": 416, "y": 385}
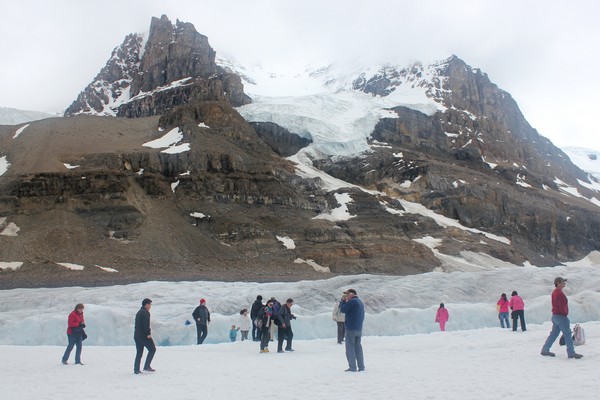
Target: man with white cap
{"x": 560, "y": 321}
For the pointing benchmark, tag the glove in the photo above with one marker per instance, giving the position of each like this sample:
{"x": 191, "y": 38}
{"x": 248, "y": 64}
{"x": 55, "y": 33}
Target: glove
{"x": 82, "y": 325}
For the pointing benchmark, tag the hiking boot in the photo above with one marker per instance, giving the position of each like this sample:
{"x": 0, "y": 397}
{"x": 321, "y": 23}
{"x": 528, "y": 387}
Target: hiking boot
{"x": 280, "y": 351}
{"x": 65, "y": 363}
{"x": 79, "y": 363}
{"x": 350, "y": 370}
{"x": 137, "y": 372}
{"x": 289, "y": 349}
{"x": 149, "y": 369}
{"x": 264, "y": 351}
{"x": 548, "y": 353}
{"x": 575, "y": 356}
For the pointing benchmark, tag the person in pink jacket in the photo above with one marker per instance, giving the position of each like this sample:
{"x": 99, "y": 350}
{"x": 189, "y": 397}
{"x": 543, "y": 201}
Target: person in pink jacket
{"x": 502, "y": 306}
{"x": 442, "y": 317}
{"x": 517, "y": 305}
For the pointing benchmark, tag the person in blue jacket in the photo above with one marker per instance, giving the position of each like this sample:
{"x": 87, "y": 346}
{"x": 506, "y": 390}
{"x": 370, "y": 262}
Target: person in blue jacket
{"x": 354, "y": 309}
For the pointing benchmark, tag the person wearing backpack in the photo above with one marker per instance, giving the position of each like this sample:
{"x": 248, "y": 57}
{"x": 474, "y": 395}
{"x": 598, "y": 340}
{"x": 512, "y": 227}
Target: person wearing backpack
{"x": 263, "y": 321}
{"x": 517, "y": 305}
{"x": 254, "y": 310}
{"x": 560, "y": 321}
{"x": 284, "y": 319}
{"x": 502, "y": 306}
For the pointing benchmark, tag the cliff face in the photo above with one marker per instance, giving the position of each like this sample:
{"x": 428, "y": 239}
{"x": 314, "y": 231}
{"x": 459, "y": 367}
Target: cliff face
{"x": 186, "y": 188}
{"x": 174, "y": 65}
{"x": 478, "y": 161}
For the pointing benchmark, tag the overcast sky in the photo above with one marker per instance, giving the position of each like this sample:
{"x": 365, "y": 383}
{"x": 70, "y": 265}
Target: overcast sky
{"x": 545, "y": 53}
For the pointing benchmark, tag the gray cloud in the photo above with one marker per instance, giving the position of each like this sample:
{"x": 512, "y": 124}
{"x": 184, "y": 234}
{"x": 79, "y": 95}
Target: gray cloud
{"x": 542, "y": 52}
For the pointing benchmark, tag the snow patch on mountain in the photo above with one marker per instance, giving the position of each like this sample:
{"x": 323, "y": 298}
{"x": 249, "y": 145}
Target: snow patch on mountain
{"x": 325, "y": 105}
{"x": 20, "y": 130}
{"x": 586, "y": 159}
{"x": 4, "y": 164}
{"x": 171, "y": 140}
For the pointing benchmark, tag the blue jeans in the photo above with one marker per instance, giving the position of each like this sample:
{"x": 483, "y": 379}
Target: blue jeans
{"x": 74, "y": 340}
{"x": 354, "y": 351}
{"x": 560, "y": 324}
{"x": 504, "y": 318}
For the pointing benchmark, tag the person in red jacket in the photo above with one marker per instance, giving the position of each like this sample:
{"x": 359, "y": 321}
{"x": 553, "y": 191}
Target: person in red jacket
{"x": 560, "y": 321}
{"x": 75, "y": 334}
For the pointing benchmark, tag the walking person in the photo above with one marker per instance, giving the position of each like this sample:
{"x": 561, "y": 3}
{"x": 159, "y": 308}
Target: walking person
{"x": 284, "y": 316}
{"x": 257, "y": 306}
{"x": 517, "y": 305}
{"x": 244, "y": 323}
{"x": 339, "y": 317}
{"x": 442, "y": 317}
{"x": 354, "y": 309}
{"x": 202, "y": 317}
{"x": 502, "y": 307}
{"x": 560, "y": 321}
{"x": 143, "y": 338}
{"x": 263, "y": 322}
{"x": 75, "y": 334}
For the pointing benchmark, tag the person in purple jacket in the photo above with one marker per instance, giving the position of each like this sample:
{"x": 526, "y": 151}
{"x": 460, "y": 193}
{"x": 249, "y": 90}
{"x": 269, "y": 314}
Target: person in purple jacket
{"x": 354, "y": 309}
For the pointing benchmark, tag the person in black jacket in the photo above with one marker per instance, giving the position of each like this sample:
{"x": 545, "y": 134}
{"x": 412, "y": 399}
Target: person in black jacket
{"x": 284, "y": 322}
{"x": 256, "y": 308}
{"x": 202, "y": 317}
{"x": 143, "y": 338}
{"x": 263, "y": 321}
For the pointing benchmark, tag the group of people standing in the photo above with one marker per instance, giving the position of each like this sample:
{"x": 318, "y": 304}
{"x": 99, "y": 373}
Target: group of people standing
{"x": 348, "y": 313}
{"x": 265, "y": 317}
{"x": 517, "y": 307}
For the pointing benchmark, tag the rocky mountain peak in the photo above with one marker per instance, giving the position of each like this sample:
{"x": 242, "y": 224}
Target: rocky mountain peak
{"x": 174, "y": 65}
{"x": 173, "y": 52}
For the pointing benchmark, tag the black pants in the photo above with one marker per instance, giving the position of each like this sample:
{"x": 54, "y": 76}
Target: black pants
{"x": 255, "y": 331}
{"x": 341, "y": 331}
{"x": 287, "y": 334}
{"x": 139, "y": 347}
{"x": 265, "y": 337}
{"x": 516, "y": 314}
{"x": 202, "y": 332}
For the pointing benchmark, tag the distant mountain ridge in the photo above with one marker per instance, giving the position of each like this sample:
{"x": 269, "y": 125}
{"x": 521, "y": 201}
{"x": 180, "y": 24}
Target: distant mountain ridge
{"x": 211, "y": 174}
{"x": 13, "y": 116}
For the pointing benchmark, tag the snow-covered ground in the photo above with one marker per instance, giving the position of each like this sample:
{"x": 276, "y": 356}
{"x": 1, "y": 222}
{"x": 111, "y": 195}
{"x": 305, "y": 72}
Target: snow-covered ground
{"x": 405, "y": 354}
{"x": 489, "y": 364}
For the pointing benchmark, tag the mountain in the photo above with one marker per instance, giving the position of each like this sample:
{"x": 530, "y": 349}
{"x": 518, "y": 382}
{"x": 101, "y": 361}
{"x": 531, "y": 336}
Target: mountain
{"x": 174, "y": 164}
{"x": 13, "y": 116}
{"x": 147, "y": 75}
